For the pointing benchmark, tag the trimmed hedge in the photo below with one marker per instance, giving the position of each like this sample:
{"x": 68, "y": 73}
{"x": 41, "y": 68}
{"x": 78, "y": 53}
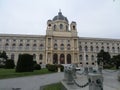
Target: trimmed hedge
{"x": 25, "y": 63}
{"x": 107, "y": 66}
{"x": 47, "y": 65}
{"x": 54, "y": 67}
{"x": 2, "y": 66}
{"x": 9, "y": 64}
{"x": 62, "y": 68}
{"x": 37, "y": 67}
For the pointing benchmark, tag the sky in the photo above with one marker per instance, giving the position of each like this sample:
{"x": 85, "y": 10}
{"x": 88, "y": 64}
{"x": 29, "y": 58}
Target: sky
{"x": 94, "y": 18}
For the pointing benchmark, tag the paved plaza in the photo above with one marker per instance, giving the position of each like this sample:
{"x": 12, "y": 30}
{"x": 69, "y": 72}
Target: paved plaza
{"x": 34, "y": 82}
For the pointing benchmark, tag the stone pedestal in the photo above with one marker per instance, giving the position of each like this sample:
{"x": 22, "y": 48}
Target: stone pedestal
{"x": 95, "y": 81}
{"x": 69, "y": 87}
{"x": 90, "y": 70}
{"x": 59, "y": 69}
{"x": 86, "y": 70}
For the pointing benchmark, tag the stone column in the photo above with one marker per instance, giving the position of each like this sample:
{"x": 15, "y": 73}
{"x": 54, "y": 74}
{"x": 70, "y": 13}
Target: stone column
{"x": 78, "y": 58}
{"x": 37, "y": 58}
{"x": 95, "y": 82}
{"x": 46, "y": 58}
{"x": 73, "y": 60}
{"x": 51, "y": 59}
{"x": 65, "y": 58}
{"x": 58, "y": 58}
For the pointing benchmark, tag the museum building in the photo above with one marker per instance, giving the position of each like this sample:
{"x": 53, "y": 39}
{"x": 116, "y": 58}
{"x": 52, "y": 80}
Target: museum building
{"x": 60, "y": 45}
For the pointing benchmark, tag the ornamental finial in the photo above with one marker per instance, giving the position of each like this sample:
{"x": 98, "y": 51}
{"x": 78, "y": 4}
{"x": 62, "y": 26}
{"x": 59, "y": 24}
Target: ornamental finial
{"x": 59, "y": 10}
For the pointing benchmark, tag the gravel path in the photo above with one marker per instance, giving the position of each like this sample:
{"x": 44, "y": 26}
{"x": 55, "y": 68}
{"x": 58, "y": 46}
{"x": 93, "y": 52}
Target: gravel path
{"x": 34, "y": 82}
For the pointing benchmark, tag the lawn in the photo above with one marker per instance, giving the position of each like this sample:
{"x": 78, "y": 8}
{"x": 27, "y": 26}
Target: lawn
{"x": 10, "y": 73}
{"x": 56, "y": 86}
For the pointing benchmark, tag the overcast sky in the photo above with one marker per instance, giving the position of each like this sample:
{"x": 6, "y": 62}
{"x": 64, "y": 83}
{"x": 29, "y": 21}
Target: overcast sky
{"x": 95, "y": 18}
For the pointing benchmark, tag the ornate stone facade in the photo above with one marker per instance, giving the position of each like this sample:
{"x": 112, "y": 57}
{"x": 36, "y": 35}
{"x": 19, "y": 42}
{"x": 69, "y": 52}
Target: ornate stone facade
{"x": 60, "y": 45}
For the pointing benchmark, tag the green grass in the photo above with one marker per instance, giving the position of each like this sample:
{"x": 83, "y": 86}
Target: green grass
{"x": 10, "y": 73}
{"x": 111, "y": 68}
{"x": 56, "y": 86}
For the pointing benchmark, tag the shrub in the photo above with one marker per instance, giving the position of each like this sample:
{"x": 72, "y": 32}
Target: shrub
{"x": 9, "y": 64}
{"x": 52, "y": 67}
{"x": 61, "y": 67}
{"x": 118, "y": 76}
{"x": 37, "y": 67}
{"x": 107, "y": 66}
{"x": 34, "y": 62}
{"x": 25, "y": 63}
{"x": 47, "y": 65}
{"x": 2, "y": 66}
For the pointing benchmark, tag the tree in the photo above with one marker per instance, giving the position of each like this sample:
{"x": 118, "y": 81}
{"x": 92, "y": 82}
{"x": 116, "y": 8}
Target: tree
{"x": 116, "y": 61}
{"x": 3, "y": 55}
{"x": 25, "y": 63}
{"x": 3, "y": 59}
{"x": 9, "y": 64}
{"x": 103, "y": 57}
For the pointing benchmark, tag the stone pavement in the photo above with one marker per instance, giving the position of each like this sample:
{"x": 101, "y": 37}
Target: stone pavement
{"x": 34, "y": 82}
{"x": 110, "y": 82}
{"x": 30, "y": 82}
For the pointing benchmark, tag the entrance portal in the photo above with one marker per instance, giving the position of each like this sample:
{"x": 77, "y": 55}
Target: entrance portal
{"x": 62, "y": 59}
{"x": 68, "y": 59}
{"x": 55, "y": 59}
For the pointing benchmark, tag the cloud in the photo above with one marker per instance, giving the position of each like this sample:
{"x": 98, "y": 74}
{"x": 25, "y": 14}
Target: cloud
{"x": 94, "y": 18}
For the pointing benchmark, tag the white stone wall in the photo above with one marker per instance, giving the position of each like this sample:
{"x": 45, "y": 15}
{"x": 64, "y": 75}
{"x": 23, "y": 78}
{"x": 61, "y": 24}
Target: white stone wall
{"x": 38, "y": 40}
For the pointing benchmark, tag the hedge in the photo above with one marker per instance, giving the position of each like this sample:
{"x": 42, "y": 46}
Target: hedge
{"x": 54, "y": 67}
{"x": 9, "y": 64}
{"x": 25, "y": 63}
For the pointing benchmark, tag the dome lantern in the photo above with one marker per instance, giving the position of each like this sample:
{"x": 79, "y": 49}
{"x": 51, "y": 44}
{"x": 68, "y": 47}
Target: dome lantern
{"x": 60, "y": 17}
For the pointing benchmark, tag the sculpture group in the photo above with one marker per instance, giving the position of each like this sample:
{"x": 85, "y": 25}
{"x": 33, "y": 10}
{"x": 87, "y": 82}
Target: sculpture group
{"x": 94, "y": 77}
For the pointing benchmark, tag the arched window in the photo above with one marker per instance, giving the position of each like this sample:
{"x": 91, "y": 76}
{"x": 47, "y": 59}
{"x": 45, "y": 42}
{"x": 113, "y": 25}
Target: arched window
{"x": 41, "y": 46}
{"x": 81, "y": 57}
{"x": 6, "y": 46}
{"x": 34, "y": 57}
{"x": 68, "y": 47}
{"x": 20, "y": 46}
{"x": 12, "y": 56}
{"x": 27, "y": 46}
{"x": 61, "y": 26}
{"x": 108, "y": 49}
{"x": 68, "y": 59}
{"x": 62, "y": 59}
{"x": 102, "y": 47}
{"x": 40, "y": 57}
{"x": 62, "y": 46}
{"x": 92, "y": 63}
{"x": 55, "y": 46}
{"x": 92, "y": 57}
{"x": 13, "y": 46}
{"x": 118, "y": 49}
{"x": 49, "y": 25}
{"x": 34, "y": 46}
{"x": 86, "y": 48}
{"x": 73, "y": 27}
{"x": 54, "y": 27}
{"x": 80, "y": 48}
{"x": 91, "y": 48}
{"x": 97, "y": 48}
{"x": 86, "y": 57}
{"x": 55, "y": 58}
{"x": 66, "y": 28}
{"x": 113, "y": 49}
